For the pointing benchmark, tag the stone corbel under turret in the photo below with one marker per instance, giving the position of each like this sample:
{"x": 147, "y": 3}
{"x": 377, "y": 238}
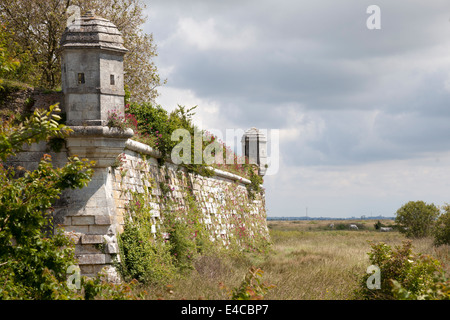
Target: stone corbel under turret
{"x": 101, "y": 144}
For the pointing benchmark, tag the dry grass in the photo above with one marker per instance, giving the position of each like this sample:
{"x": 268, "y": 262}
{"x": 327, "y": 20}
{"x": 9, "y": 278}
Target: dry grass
{"x": 308, "y": 260}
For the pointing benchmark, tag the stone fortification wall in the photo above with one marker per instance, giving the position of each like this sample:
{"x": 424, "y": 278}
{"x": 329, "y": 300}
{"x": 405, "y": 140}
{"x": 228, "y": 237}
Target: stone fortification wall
{"x": 223, "y": 198}
{"x": 95, "y": 215}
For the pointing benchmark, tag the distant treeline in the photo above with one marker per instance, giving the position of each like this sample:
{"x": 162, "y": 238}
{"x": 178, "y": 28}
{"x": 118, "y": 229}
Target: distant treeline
{"x": 329, "y": 218}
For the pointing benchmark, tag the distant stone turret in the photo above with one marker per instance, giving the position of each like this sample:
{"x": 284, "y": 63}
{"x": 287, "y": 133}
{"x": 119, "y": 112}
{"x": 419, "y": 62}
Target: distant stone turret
{"x": 254, "y": 147}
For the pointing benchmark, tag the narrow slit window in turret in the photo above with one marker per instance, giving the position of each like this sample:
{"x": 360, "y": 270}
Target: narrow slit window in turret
{"x": 80, "y": 78}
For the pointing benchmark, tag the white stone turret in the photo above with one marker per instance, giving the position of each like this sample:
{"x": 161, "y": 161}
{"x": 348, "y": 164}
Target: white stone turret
{"x": 92, "y": 54}
{"x": 254, "y": 147}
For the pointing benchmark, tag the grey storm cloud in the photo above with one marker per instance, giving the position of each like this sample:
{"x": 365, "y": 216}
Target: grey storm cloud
{"x": 358, "y": 110}
{"x": 318, "y": 55}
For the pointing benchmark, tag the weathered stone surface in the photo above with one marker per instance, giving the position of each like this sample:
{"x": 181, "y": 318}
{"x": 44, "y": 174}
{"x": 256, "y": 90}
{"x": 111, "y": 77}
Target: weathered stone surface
{"x": 66, "y": 221}
{"x": 112, "y": 248}
{"x": 102, "y": 220}
{"x": 91, "y": 32}
{"x": 87, "y": 249}
{"x": 83, "y": 220}
{"x": 73, "y": 236}
{"x": 98, "y": 229}
{"x": 91, "y": 239}
{"x": 77, "y": 229}
{"x": 98, "y": 258}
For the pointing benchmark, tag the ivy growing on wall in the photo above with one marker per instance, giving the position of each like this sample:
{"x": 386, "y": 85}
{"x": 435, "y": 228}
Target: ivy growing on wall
{"x": 144, "y": 255}
{"x": 156, "y": 249}
{"x": 255, "y": 182}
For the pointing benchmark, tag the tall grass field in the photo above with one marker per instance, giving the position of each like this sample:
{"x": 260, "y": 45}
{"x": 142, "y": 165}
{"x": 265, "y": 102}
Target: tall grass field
{"x": 308, "y": 260}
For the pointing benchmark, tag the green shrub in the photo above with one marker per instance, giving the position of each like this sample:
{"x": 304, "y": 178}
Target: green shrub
{"x": 116, "y": 120}
{"x": 154, "y": 121}
{"x": 187, "y": 236}
{"x": 255, "y": 181}
{"x": 154, "y": 126}
{"x": 251, "y": 287}
{"x": 415, "y": 273}
{"x": 15, "y": 63}
{"x": 36, "y": 269}
{"x": 346, "y": 226}
{"x": 100, "y": 289}
{"x": 438, "y": 290}
{"x": 143, "y": 258}
{"x": 183, "y": 245}
{"x": 378, "y": 225}
{"x": 33, "y": 261}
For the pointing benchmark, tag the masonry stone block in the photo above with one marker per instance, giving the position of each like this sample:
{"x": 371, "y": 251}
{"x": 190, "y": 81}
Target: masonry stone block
{"x": 103, "y": 220}
{"x": 77, "y": 229}
{"x": 73, "y": 236}
{"x": 67, "y": 221}
{"x": 112, "y": 248}
{"x": 88, "y": 270}
{"x": 102, "y": 211}
{"x": 96, "y": 258}
{"x": 120, "y": 219}
{"x": 98, "y": 229}
{"x": 83, "y": 220}
{"x": 91, "y": 239}
{"x": 87, "y": 249}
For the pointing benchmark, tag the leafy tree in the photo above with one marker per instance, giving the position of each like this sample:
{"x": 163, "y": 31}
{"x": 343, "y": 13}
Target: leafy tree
{"x": 33, "y": 261}
{"x": 8, "y": 63}
{"x": 442, "y": 228}
{"x": 16, "y": 63}
{"x": 416, "y": 219}
{"x": 37, "y": 27}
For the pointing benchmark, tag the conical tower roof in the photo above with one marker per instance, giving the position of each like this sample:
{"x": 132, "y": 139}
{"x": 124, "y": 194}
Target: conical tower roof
{"x": 91, "y": 31}
{"x": 254, "y": 133}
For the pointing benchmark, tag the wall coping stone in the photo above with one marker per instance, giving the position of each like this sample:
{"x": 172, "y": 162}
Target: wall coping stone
{"x": 146, "y": 149}
{"x": 100, "y": 131}
{"x": 142, "y": 148}
{"x": 229, "y": 175}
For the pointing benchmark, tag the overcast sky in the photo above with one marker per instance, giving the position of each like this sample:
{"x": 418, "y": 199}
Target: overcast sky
{"x": 363, "y": 115}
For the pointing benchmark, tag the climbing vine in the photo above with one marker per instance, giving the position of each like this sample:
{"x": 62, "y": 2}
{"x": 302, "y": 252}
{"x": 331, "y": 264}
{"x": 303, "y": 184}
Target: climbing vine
{"x": 196, "y": 216}
{"x": 144, "y": 255}
{"x": 255, "y": 182}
